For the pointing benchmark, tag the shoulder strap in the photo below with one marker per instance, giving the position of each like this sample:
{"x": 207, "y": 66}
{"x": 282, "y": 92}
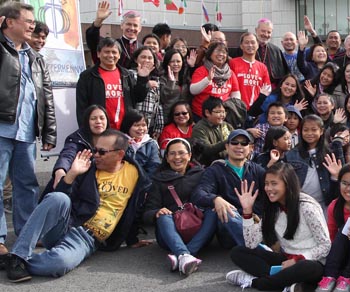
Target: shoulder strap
{"x": 171, "y": 188}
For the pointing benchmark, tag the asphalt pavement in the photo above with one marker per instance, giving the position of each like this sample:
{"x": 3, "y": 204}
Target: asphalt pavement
{"x": 128, "y": 269}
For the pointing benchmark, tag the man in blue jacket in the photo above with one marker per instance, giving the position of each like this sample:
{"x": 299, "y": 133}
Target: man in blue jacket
{"x": 216, "y": 188}
{"x": 94, "y": 206}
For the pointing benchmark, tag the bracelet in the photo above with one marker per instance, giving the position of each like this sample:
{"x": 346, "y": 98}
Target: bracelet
{"x": 247, "y": 216}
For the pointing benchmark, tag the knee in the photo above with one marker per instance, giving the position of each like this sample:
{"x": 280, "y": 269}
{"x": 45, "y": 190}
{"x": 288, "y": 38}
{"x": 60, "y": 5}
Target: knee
{"x": 57, "y": 200}
{"x": 163, "y": 219}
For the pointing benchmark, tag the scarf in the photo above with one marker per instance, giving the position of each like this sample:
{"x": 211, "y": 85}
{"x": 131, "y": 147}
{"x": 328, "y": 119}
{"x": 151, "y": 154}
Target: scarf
{"x": 221, "y": 75}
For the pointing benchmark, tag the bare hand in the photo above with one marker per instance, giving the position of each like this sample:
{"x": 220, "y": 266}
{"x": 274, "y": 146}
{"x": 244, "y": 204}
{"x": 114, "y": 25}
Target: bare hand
{"x": 302, "y": 39}
{"x": 2, "y": 18}
{"x": 288, "y": 263}
{"x": 339, "y": 115}
{"x": 333, "y": 166}
{"x": 191, "y": 59}
{"x": 152, "y": 84}
{"x": 265, "y": 89}
{"x": 142, "y": 243}
{"x": 222, "y": 207}
{"x": 81, "y": 163}
{"x": 163, "y": 211}
{"x": 206, "y": 37}
{"x": 47, "y": 147}
{"x": 311, "y": 89}
{"x": 102, "y": 13}
{"x": 59, "y": 173}
{"x": 211, "y": 73}
{"x": 274, "y": 155}
{"x": 308, "y": 25}
{"x": 144, "y": 70}
{"x": 246, "y": 197}
{"x": 255, "y": 132}
{"x": 301, "y": 104}
{"x": 171, "y": 74}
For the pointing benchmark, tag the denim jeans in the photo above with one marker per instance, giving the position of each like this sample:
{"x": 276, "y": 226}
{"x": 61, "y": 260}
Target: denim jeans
{"x": 66, "y": 246}
{"x": 19, "y": 158}
{"x": 168, "y": 237}
{"x": 230, "y": 234}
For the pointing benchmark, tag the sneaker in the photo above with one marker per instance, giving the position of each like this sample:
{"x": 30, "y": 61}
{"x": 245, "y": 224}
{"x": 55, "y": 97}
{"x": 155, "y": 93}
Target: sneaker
{"x": 174, "y": 262}
{"x": 326, "y": 284}
{"x": 188, "y": 264}
{"x": 240, "y": 278}
{"x": 16, "y": 269}
{"x": 343, "y": 285}
{"x": 296, "y": 287}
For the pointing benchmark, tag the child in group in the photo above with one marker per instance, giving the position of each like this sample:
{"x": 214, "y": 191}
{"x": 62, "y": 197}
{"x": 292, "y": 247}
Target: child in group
{"x": 277, "y": 142}
{"x": 292, "y": 225}
{"x": 293, "y": 122}
{"x": 276, "y": 116}
{"x": 142, "y": 148}
{"x": 316, "y": 168}
{"x": 337, "y": 269}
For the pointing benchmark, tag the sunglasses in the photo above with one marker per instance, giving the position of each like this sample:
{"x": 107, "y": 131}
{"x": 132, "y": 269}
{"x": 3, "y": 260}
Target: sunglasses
{"x": 235, "y": 143}
{"x": 180, "y": 113}
{"x": 103, "y": 151}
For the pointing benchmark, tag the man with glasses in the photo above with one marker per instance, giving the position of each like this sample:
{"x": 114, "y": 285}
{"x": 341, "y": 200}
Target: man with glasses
{"x": 26, "y": 112}
{"x": 211, "y": 132}
{"x": 93, "y": 206}
{"x": 219, "y": 185}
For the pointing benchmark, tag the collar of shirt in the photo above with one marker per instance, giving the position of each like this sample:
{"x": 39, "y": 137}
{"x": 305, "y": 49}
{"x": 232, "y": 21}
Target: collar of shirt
{"x": 25, "y": 46}
{"x": 130, "y": 41}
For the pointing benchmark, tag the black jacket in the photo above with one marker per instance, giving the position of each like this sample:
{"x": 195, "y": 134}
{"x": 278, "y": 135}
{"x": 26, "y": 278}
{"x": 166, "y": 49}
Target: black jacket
{"x": 91, "y": 90}
{"x": 10, "y": 80}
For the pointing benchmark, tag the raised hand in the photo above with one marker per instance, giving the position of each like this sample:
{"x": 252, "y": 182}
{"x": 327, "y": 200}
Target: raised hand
{"x": 308, "y": 25}
{"x": 2, "y": 18}
{"x": 311, "y": 89}
{"x": 211, "y": 73}
{"x": 246, "y": 197}
{"x": 302, "y": 40}
{"x": 206, "y": 36}
{"x": 332, "y": 165}
{"x": 102, "y": 13}
{"x": 301, "y": 104}
{"x": 265, "y": 89}
{"x": 339, "y": 115}
{"x": 171, "y": 74}
{"x": 191, "y": 59}
{"x": 144, "y": 70}
{"x": 80, "y": 165}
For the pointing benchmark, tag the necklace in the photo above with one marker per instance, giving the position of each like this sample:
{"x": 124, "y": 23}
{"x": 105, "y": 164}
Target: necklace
{"x": 264, "y": 59}
{"x": 124, "y": 48}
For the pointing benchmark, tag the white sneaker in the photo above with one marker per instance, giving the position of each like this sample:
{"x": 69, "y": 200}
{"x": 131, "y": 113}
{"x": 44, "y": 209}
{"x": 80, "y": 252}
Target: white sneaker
{"x": 174, "y": 262}
{"x": 188, "y": 264}
{"x": 239, "y": 278}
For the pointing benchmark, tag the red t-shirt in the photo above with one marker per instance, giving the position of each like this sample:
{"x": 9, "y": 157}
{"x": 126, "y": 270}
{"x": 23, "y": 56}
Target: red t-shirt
{"x": 171, "y": 131}
{"x": 331, "y": 223}
{"x": 223, "y": 92}
{"x": 250, "y": 76}
{"x": 114, "y": 96}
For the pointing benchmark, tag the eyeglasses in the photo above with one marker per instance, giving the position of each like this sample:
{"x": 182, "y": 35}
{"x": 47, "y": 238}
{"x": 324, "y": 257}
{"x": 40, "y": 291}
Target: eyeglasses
{"x": 180, "y": 114}
{"x": 174, "y": 153}
{"x": 26, "y": 20}
{"x": 102, "y": 151}
{"x": 219, "y": 112}
{"x": 235, "y": 143}
{"x": 344, "y": 184}
{"x": 222, "y": 52}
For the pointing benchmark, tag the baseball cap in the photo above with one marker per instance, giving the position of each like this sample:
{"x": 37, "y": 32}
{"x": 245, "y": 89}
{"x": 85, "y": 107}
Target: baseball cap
{"x": 293, "y": 109}
{"x": 240, "y": 132}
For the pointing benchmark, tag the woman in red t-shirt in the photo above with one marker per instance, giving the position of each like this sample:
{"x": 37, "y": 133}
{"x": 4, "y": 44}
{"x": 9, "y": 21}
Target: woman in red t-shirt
{"x": 214, "y": 78}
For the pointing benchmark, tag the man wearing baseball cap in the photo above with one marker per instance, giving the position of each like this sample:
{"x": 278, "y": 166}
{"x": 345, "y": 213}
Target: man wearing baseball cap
{"x": 219, "y": 181}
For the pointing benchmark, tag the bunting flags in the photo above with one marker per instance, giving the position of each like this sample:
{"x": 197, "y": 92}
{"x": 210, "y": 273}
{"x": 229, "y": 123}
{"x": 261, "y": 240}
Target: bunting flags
{"x": 155, "y": 2}
{"x": 205, "y": 12}
{"x": 120, "y": 7}
{"x": 182, "y": 7}
{"x": 170, "y": 5}
{"x": 218, "y": 12}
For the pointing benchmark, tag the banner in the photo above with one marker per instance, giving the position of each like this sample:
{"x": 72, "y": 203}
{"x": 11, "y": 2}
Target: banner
{"x": 64, "y": 51}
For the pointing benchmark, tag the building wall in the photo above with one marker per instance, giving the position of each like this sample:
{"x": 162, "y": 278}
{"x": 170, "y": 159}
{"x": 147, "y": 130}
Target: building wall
{"x": 238, "y": 15}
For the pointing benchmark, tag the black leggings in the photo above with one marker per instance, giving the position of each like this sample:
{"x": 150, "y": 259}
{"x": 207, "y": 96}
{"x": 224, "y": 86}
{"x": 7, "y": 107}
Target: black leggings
{"x": 258, "y": 262}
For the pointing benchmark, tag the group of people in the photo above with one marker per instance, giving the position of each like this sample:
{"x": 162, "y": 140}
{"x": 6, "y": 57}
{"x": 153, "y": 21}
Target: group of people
{"x": 259, "y": 141}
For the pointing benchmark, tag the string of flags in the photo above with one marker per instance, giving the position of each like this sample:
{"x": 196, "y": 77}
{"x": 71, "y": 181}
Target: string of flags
{"x": 170, "y": 5}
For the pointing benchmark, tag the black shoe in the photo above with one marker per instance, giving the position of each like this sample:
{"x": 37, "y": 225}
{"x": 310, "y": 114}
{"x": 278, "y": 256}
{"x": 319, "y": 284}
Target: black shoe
{"x": 3, "y": 261}
{"x": 16, "y": 269}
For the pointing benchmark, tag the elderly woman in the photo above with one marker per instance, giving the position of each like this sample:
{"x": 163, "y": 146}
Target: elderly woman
{"x": 177, "y": 170}
{"x": 214, "y": 78}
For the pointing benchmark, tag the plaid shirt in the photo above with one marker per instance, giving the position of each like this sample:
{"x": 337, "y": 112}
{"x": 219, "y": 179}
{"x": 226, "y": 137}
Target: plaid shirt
{"x": 259, "y": 142}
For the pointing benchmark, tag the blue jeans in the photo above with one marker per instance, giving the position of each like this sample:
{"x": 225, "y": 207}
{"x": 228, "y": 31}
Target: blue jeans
{"x": 168, "y": 237}
{"x": 19, "y": 158}
{"x": 66, "y": 246}
{"x": 230, "y": 234}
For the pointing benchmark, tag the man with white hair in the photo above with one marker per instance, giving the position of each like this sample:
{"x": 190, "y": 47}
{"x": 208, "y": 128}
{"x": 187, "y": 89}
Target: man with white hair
{"x": 342, "y": 61}
{"x": 130, "y": 27}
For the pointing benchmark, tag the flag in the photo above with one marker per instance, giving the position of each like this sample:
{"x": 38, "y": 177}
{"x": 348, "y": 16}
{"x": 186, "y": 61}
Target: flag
{"x": 218, "y": 13}
{"x": 183, "y": 4}
{"x": 155, "y": 2}
{"x": 170, "y": 5}
{"x": 120, "y": 8}
{"x": 205, "y": 12}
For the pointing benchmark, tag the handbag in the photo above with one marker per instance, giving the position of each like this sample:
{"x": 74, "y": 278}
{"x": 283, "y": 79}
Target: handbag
{"x": 188, "y": 219}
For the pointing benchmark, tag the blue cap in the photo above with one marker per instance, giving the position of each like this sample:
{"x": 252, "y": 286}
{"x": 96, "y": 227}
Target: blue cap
{"x": 240, "y": 132}
{"x": 293, "y": 109}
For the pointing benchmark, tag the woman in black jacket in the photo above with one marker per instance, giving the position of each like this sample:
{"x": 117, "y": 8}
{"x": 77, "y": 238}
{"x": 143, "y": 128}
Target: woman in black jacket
{"x": 177, "y": 170}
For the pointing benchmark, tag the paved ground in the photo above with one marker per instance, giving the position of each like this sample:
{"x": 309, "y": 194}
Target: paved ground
{"x": 144, "y": 269}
